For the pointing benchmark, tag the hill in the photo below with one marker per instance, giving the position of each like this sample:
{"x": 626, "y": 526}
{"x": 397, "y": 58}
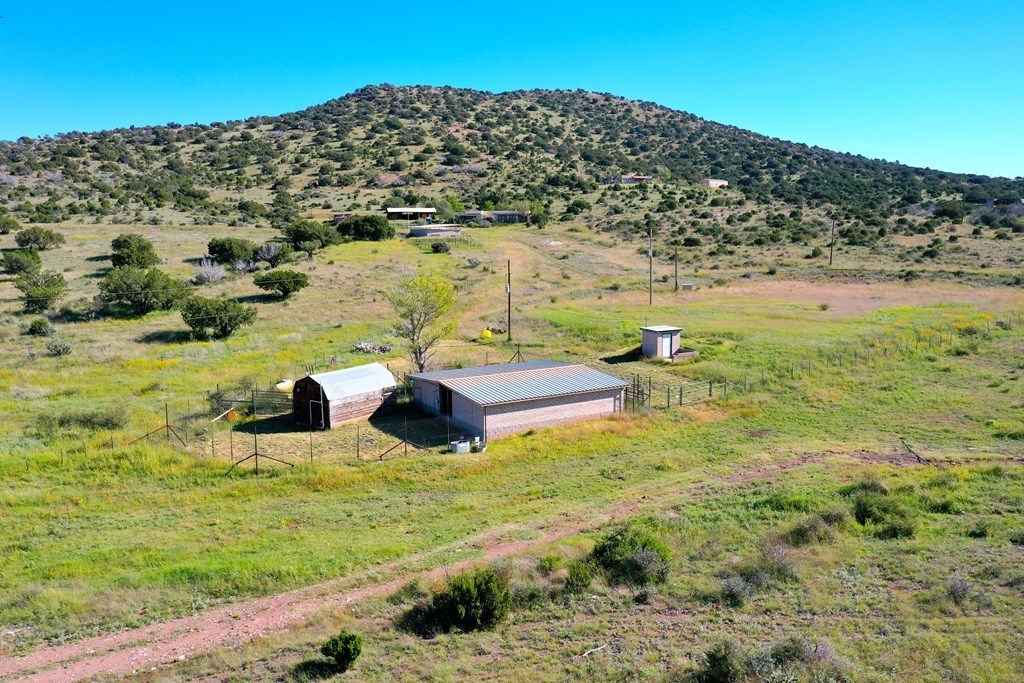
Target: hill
{"x": 382, "y": 144}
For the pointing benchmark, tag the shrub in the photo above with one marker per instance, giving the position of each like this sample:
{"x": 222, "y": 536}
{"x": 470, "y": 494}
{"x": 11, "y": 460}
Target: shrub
{"x": 230, "y": 249}
{"x": 40, "y": 327}
{"x": 8, "y": 225}
{"x": 958, "y": 590}
{"x": 302, "y": 234}
{"x": 579, "y": 578}
{"x": 1017, "y": 537}
{"x": 735, "y": 591}
{"x": 41, "y": 290}
{"x": 140, "y": 290}
{"x": 273, "y": 253}
{"x": 549, "y": 564}
{"x": 835, "y": 516}
{"x": 208, "y": 271}
{"x": 367, "y": 229}
{"x": 632, "y": 555}
{"x": 216, "y": 317}
{"x": 58, "y": 347}
{"x": 723, "y": 663}
{"x": 808, "y": 531}
{"x": 133, "y": 250}
{"x": 440, "y": 247}
{"x": 890, "y": 518}
{"x": 344, "y": 649}
{"x": 284, "y": 282}
{"x": 471, "y": 602}
{"x": 18, "y": 261}
{"x": 242, "y": 266}
{"x": 39, "y": 238}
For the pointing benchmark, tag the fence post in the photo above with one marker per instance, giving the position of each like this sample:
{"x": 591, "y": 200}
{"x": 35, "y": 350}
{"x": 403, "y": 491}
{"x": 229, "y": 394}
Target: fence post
{"x": 406, "y": 439}
{"x": 711, "y": 388}
{"x": 668, "y": 398}
{"x": 357, "y": 442}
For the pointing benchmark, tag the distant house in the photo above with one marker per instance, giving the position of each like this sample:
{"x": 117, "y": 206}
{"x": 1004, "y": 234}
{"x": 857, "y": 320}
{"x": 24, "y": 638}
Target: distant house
{"x": 329, "y": 399}
{"x": 476, "y": 216}
{"x": 410, "y": 213}
{"x": 633, "y": 179}
{"x": 714, "y": 182}
{"x": 493, "y": 401}
{"x": 662, "y": 341}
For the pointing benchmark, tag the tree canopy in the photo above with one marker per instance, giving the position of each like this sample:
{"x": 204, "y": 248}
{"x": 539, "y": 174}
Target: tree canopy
{"x": 424, "y": 304}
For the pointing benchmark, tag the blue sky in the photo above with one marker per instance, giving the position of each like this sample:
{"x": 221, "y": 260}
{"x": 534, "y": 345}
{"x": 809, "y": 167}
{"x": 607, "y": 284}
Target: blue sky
{"x": 938, "y": 84}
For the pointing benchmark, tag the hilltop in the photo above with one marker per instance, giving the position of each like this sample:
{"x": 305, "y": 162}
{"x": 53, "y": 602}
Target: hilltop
{"x": 550, "y": 150}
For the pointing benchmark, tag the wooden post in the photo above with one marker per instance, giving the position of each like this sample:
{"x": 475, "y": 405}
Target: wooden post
{"x": 256, "y": 447}
{"x": 406, "y": 439}
{"x": 167, "y": 423}
{"x": 357, "y": 442}
{"x": 668, "y": 398}
{"x": 310, "y": 444}
{"x": 711, "y": 388}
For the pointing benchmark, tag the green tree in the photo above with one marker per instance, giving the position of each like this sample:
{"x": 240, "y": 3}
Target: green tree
{"x": 344, "y": 649}
{"x": 950, "y": 209}
{"x": 8, "y": 225}
{"x": 142, "y": 290}
{"x": 284, "y": 282}
{"x": 18, "y": 261}
{"x": 41, "y": 290}
{"x": 133, "y": 250}
{"x": 230, "y": 249}
{"x": 299, "y": 232}
{"x": 39, "y": 238}
{"x": 423, "y": 304}
{"x": 216, "y": 317}
{"x": 367, "y": 228}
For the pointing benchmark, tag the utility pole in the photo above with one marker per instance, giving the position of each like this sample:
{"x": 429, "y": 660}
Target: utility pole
{"x": 832, "y": 241}
{"x": 508, "y": 291}
{"x": 675, "y": 260}
{"x": 650, "y": 265}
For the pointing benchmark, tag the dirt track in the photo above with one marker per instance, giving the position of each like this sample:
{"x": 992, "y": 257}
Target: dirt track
{"x": 148, "y": 647}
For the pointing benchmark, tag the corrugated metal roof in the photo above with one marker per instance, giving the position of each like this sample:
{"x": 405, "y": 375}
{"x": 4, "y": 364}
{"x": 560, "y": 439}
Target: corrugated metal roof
{"x": 662, "y": 328}
{"x": 482, "y": 370}
{"x": 494, "y": 384}
{"x": 361, "y": 379}
{"x": 411, "y": 209}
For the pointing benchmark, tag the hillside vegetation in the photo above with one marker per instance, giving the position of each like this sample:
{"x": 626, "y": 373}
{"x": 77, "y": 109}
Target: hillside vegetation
{"x": 545, "y": 149}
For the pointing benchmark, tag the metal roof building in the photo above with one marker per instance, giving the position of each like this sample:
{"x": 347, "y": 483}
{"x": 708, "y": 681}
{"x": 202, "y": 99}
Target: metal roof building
{"x": 328, "y": 399}
{"x": 492, "y": 401}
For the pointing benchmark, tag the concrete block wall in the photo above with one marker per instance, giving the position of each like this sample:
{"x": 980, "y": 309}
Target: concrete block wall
{"x": 515, "y": 418}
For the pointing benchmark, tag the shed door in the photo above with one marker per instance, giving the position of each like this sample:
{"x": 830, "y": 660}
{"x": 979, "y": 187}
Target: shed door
{"x": 666, "y": 345}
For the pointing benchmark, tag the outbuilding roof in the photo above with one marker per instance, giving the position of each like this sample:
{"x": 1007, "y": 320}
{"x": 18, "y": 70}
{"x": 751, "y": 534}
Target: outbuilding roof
{"x": 662, "y": 328}
{"x": 361, "y": 379}
{"x": 411, "y": 209}
{"x": 515, "y": 382}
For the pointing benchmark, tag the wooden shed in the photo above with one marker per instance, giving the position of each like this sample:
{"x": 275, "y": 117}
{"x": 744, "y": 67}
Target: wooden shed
{"x": 330, "y": 399}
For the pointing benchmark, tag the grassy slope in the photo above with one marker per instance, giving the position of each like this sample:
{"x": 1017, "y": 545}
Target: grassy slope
{"x": 97, "y": 539}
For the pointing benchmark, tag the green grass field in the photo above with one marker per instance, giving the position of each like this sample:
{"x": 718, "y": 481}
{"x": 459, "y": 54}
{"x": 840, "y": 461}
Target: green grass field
{"x": 97, "y": 538}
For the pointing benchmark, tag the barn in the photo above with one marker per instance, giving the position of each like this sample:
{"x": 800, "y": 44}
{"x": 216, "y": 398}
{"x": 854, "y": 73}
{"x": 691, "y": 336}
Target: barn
{"x": 330, "y": 399}
{"x": 493, "y": 401}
